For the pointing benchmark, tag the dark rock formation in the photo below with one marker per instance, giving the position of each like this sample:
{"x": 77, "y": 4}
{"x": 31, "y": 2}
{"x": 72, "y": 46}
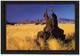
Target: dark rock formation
{"x": 52, "y": 29}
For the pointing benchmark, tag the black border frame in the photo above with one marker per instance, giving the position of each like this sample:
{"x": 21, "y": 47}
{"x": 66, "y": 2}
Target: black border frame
{"x": 3, "y": 28}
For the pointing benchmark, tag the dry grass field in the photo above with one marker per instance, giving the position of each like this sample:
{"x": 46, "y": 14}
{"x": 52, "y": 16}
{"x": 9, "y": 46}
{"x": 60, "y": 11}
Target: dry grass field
{"x": 23, "y": 36}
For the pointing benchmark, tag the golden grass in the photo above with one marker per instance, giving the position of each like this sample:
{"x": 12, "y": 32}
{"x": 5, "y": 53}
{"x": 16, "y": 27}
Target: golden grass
{"x": 22, "y": 37}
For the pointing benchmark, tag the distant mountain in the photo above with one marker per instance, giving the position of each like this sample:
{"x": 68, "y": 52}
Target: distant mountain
{"x": 63, "y": 20}
{"x": 42, "y": 21}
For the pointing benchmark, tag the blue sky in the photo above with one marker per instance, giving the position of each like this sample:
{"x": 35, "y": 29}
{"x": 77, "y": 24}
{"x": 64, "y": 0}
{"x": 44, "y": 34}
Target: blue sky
{"x": 22, "y": 12}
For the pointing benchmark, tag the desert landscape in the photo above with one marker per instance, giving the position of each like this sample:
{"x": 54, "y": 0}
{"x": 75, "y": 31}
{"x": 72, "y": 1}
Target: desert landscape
{"x": 23, "y": 37}
{"x": 40, "y": 27}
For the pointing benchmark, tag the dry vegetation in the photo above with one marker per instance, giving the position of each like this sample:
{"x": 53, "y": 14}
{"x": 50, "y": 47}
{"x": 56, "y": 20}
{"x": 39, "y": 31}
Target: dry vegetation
{"x": 23, "y": 37}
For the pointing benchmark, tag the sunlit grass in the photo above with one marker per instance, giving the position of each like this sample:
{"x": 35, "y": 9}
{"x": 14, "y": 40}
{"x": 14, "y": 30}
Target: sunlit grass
{"x": 23, "y": 37}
